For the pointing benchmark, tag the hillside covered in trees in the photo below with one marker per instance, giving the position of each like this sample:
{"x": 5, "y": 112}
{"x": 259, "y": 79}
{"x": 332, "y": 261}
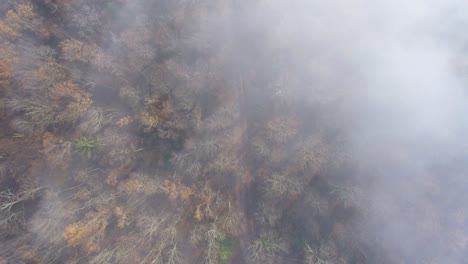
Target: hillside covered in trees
{"x": 232, "y": 131}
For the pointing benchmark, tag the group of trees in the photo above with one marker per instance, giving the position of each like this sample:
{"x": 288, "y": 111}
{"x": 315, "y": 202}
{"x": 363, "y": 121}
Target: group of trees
{"x": 138, "y": 131}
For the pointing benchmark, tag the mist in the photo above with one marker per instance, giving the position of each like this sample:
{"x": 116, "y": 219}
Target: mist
{"x": 402, "y": 108}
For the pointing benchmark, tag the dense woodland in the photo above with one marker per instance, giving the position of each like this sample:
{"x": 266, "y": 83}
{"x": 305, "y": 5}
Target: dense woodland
{"x": 169, "y": 131}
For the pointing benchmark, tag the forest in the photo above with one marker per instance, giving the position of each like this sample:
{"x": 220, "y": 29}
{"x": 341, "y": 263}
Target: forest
{"x": 233, "y": 132}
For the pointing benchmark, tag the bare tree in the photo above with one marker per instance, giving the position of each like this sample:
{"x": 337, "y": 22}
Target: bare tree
{"x": 11, "y": 206}
{"x": 35, "y": 111}
{"x": 95, "y": 119}
{"x": 104, "y": 257}
{"x": 281, "y": 129}
{"x": 267, "y": 214}
{"x": 231, "y": 220}
{"x": 280, "y": 184}
{"x": 267, "y": 248}
{"x": 326, "y": 253}
{"x": 212, "y": 236}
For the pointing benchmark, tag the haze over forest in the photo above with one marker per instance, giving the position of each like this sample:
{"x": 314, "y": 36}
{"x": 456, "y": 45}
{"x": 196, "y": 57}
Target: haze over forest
{"x": 233, "y": 131}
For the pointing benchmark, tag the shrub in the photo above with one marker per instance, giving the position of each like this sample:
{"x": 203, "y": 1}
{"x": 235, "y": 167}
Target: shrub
{"x": 86, "y": 146}
{"x": 225, "y": 249}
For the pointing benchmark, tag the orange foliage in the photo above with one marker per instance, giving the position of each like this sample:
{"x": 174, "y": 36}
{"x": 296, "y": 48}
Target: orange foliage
{"x": 7, "y": 52}
{"x": 76, "y": 235}
{"x": 21, "y": 18}
{"x": 81, "y": 100}
{"x": 134, "y": 186}
{"x": 198, "y": 213}
{"x": 75, "y": 50}
{"x": 149, "y": 120}
{"x": 115, "y": 174}
{"x": 27, "y": 253}
{"x": 124, "y": 121}
{"x": 86, "y": 234}
{"x": 7, "y": 31}
{"x": 121, "y": 217}
{"x": 51, "y": 72}
{"x": 202, "y": 201}
{"x": 63, "y": 89}
{"x": 176, "y": 190}
{"x": 5, "y": 73}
